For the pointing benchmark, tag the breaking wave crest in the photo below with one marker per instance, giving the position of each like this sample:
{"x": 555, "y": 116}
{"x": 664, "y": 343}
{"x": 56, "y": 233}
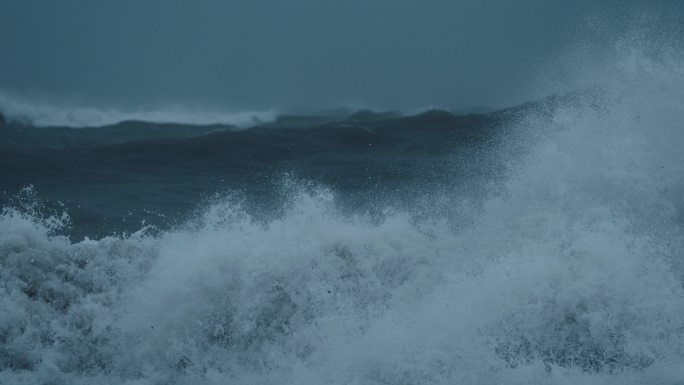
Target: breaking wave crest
{"x": 47, "y": 115}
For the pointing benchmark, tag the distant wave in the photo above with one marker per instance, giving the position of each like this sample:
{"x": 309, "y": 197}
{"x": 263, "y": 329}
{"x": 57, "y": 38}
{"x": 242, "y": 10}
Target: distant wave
{"x": 45, "y": 114}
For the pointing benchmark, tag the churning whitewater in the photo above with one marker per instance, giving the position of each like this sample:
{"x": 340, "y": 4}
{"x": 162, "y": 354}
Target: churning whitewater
{"x": 566, "y": 270}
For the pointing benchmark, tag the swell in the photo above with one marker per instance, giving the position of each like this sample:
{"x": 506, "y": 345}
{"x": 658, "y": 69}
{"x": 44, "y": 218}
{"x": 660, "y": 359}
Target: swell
{"x": 102, "y": 174}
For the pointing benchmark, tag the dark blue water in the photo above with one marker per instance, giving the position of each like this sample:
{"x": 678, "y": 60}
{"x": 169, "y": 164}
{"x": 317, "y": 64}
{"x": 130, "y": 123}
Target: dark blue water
{"x": 112, "y": 178}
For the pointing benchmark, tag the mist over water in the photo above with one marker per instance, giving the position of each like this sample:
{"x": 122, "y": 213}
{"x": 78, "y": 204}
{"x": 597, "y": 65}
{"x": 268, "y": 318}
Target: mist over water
{"x": 45, "y": 114}
{"x": 564, "y": 266}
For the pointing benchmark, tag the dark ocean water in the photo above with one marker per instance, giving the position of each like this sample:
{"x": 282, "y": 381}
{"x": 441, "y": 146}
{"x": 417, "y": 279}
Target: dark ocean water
{"x": 541, "y": 244}
{"x": 111, "y": 179}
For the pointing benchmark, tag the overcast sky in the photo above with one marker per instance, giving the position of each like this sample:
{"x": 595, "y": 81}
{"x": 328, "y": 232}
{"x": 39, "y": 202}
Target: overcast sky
{"x": 285, "y": 54}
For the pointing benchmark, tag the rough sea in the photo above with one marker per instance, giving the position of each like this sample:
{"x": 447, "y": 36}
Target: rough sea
{"x": 537, "y": 244}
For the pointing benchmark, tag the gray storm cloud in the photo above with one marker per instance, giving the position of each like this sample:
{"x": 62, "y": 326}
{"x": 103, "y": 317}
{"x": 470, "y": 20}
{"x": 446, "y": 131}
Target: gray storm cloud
{"x": 263, "y": 54}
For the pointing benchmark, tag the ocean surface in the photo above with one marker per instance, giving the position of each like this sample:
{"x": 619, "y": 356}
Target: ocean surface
{"x": 537, "y": 244}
